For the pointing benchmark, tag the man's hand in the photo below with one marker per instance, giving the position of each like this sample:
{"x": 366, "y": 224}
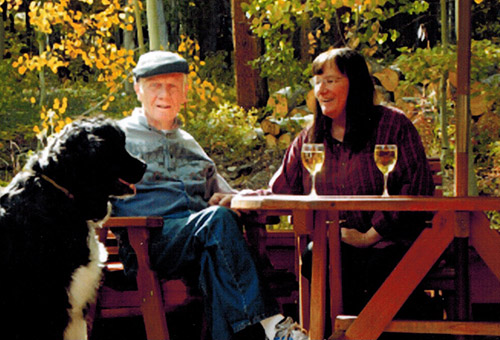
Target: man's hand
{"x": 358, "y": 239}
{"x": 221, "y": 199}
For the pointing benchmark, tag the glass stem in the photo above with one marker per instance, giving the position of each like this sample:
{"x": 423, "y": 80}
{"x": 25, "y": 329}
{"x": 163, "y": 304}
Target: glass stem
{"x": 386, "y": 192}
{"x": 313, "y": 189}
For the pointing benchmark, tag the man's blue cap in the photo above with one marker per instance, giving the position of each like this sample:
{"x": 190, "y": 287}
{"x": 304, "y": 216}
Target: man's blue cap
{"x": 159, "y": 62}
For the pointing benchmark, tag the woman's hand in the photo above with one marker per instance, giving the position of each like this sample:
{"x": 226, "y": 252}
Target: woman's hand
{"x": 358, "y": 239}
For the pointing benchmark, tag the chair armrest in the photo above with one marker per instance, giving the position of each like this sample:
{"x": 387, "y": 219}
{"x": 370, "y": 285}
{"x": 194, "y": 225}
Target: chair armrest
{"x": 134, "y": 222}
{"x": 149, "y": 288}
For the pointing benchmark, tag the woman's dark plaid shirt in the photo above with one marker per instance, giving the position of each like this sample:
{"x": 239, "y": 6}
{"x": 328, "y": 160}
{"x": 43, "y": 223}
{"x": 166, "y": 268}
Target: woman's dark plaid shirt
{"x": 346, "y": 172}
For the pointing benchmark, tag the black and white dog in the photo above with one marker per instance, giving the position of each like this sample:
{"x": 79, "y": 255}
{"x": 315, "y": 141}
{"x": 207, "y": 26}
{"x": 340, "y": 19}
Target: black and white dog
{"x": 50, "y": 259}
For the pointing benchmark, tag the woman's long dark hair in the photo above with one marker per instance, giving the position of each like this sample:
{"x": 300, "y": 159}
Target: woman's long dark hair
{"x": 360, "y": 109}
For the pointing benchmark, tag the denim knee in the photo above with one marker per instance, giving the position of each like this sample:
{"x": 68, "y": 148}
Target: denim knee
{"x": 218, "y": 223}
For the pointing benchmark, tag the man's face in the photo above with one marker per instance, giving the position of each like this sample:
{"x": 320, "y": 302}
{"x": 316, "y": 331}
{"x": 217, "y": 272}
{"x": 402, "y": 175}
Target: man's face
{"x": 162, "y": 97}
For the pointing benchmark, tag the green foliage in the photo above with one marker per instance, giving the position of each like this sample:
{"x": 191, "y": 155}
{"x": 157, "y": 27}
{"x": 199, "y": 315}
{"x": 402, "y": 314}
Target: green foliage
{"x": 17, "y": 116}
{"x": 486, "y": 20}
{"x": 422, "y": 69}
{"x": 228, "y": 130}
{"x": 319, "y": 25}
{"x": 424, "y": 66}
{"x": 217, "y": 70}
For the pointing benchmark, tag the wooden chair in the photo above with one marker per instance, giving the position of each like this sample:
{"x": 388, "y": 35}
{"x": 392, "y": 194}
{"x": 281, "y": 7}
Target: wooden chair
{"x": 147, "y": 297}
{"x": 151, "y": 298}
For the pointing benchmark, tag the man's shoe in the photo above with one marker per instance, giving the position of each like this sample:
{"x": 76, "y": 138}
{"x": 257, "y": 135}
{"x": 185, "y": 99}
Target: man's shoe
{"x": 287, "y": 329}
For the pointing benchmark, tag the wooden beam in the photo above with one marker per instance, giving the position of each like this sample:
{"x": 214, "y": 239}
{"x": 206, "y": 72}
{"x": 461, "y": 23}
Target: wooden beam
{"x": 486, "y": 241}
{"x": 343, "y": 322}
{"x": 404, "y": 279}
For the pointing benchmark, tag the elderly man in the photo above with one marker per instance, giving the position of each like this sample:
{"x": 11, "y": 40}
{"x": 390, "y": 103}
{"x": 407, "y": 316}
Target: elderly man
{"x": 199, "y": 234}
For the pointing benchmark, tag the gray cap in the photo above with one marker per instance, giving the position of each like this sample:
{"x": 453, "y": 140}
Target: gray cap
{"x": 159, "y": 62}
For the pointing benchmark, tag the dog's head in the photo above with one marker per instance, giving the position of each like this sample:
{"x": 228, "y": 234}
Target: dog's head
{"x": 88, "y": 158}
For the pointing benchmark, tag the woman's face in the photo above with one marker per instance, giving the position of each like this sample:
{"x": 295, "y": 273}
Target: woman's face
{"x": 331, "y": 89}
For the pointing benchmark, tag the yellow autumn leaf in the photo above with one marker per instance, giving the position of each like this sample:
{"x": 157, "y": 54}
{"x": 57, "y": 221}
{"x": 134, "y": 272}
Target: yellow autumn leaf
{"x": 62, "y": 109}
{"x": 388, "y": 78}
{"x": 36, "y": 129}
{"x": 452, "y": 77}
{"x": 310, "y": 37}
{"x": 311, "y": 101}
{"x": 32, "y": 100}
{"x": 327, "y": 25}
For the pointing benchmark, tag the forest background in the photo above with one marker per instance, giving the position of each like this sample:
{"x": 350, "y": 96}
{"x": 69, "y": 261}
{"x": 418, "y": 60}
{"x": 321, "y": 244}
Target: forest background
{"x": 70, "y": 58}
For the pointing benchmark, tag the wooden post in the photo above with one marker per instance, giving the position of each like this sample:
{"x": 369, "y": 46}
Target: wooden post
{"x": 463, "y": 89}
{"x": 251, "y": 89}
{"x": 461, "y": 152}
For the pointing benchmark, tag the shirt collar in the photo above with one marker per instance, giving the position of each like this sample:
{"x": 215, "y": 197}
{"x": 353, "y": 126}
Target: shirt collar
{"x": 139, "y": 114}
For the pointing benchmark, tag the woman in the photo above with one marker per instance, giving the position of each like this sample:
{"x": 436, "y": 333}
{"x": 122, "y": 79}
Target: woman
{"x": 348, "y": 123}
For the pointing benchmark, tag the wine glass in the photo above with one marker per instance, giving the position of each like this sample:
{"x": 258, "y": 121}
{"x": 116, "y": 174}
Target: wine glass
{"x": 386, "y": 156}
{"x": 313, "y": 157}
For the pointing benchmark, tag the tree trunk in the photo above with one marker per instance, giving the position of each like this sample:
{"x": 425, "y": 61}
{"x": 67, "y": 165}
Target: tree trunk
{"x": 128, "y": 43}
{"x": 251, "y": 89}
{"x": 40, "y": 38}
{"x": 162, "y": 25}
{"x": 443, "y": 109}
{"x": 2, "y": 32}
{"x": 305, "y": 28}
{"x": 29, "y": 30}
{"x": 154, "y": 34}
{"x": 138, "y": 27}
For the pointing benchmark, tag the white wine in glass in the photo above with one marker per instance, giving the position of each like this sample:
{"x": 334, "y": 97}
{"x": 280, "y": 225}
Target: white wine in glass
{"x": 313, "y": 157}
{"x": 386, "y": 156}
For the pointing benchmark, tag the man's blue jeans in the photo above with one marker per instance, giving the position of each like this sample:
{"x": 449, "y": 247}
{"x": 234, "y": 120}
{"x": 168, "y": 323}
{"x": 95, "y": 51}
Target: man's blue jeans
{"x": 211, "y": 243}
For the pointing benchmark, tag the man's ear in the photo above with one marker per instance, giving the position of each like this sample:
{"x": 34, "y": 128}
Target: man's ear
{"x": 137, "y": 89}
{"x": 186, "y": 89}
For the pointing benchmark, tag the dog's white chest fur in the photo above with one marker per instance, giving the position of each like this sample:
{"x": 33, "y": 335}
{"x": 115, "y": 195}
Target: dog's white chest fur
{"x": 84, "y": 285}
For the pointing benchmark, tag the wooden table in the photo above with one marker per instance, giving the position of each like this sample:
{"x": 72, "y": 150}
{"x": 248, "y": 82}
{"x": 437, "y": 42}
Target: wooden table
{"x": 455, "y": 217}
